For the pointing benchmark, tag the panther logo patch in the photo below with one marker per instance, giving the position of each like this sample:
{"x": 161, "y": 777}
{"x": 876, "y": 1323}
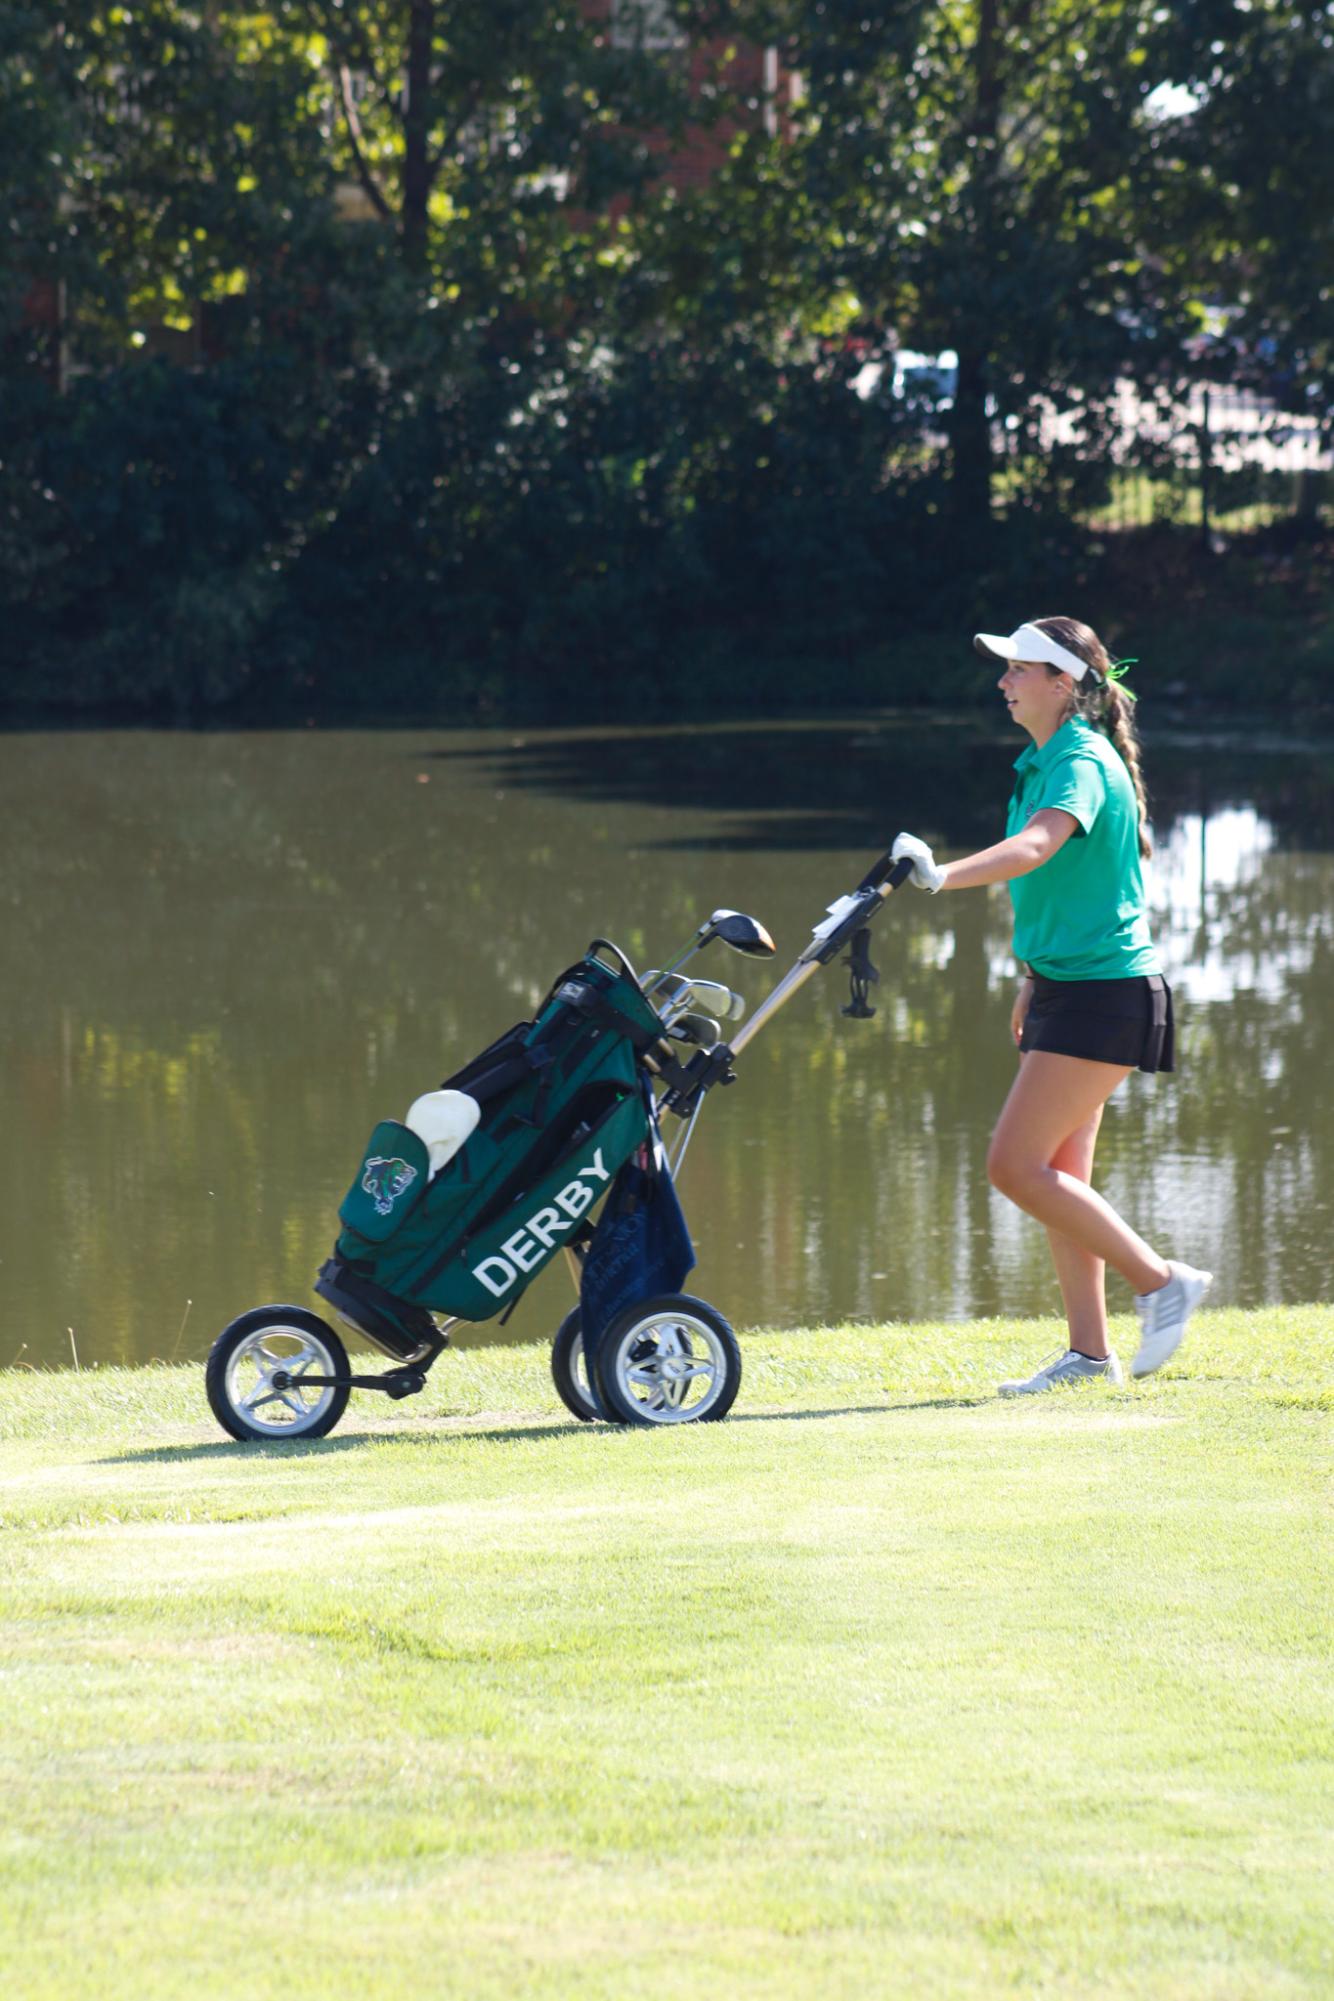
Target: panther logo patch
{"x": 386, "y": 1180}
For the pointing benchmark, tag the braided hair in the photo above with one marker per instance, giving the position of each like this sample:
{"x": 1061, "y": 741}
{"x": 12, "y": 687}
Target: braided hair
{"x": 1099, "y": 702}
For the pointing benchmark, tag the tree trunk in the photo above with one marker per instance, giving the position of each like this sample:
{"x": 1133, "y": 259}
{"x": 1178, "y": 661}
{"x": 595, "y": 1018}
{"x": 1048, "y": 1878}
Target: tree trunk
{"x": 970, "y": 440}
{"x": 417, "y": 175}
{"x": 970, "y": 429}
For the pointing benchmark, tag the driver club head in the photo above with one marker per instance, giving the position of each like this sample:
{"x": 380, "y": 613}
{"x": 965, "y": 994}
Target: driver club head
{"x": 742, "y": 933}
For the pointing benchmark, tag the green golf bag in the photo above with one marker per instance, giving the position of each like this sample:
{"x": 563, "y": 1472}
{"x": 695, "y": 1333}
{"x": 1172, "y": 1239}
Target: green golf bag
{"x": 563, "y": 1107}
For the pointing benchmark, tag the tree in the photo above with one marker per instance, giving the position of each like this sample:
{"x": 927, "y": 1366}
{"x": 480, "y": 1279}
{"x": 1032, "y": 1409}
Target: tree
{"x": 1252, "y": 140}
{"x": 212, "y": 152}
{"x": 468, "y": 379}
{"x": 197, "y": 166}
{"x": 1051, "y": 188}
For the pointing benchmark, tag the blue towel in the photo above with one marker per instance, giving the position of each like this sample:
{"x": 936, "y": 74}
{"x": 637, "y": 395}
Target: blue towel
{"x": 641, "y": 1247}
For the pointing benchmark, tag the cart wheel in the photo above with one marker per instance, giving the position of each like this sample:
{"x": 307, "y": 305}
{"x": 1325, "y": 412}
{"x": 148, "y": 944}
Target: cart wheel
{"x": 669, "y": 1360}
{"x": 254, "y": 1373}
{"x": 569, "y": 1369}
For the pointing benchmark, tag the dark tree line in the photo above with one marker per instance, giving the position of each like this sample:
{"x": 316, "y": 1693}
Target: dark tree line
{"x": 391, "y": 353}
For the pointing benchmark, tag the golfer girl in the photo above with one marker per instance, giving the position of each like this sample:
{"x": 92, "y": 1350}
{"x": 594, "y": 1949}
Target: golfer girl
{"x": 1092, "y": 1004}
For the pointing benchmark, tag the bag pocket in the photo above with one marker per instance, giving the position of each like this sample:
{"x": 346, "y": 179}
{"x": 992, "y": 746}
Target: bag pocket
{"x": 499, "y": 1258}
{"x": 389, "y": 1184}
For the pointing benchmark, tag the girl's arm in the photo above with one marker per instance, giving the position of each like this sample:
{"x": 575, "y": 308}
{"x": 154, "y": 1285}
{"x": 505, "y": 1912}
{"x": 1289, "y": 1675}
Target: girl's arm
{"x": 1020, "y": 854}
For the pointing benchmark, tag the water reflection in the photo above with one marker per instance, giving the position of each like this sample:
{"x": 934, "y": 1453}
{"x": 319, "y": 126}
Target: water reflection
{"x": 227, "y": 956}
{"x": 1246, "y": 921}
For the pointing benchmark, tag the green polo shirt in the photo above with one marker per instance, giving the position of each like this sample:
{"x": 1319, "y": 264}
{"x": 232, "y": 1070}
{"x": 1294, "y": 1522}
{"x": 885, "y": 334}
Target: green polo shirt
{"x": 1082, "y": 914}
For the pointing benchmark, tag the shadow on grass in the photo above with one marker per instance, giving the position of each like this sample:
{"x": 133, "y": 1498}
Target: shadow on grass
{"x": 859, "y": 1410}
{"x": 317, "y": 1448}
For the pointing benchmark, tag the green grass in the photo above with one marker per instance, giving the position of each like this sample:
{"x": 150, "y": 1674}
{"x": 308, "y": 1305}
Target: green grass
{"x": 880, "y": 1688}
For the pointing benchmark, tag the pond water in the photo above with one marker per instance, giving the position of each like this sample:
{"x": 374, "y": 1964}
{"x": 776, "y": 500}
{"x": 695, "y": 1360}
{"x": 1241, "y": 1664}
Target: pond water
{"x": 227, "y": 956}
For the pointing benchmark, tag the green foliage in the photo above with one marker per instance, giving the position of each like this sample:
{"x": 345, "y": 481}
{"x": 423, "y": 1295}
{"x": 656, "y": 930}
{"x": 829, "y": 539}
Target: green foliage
{"x": 159, "y": 522}
{"x": 448, "y": 374}
{"x": 672, "y": 497}
{"x": 1248, "y": 213}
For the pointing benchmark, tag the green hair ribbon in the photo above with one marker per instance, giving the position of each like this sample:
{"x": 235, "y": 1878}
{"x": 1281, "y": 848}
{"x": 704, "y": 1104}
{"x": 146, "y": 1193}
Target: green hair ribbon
{"x": 1116, "y": 671}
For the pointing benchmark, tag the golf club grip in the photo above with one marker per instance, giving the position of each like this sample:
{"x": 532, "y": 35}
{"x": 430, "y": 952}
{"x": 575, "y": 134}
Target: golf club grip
{"x": 886, "y": 870}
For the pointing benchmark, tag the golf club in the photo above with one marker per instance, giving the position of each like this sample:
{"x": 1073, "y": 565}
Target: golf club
{"x": 742, "y": 933}
{"x": 700, "y": 1029}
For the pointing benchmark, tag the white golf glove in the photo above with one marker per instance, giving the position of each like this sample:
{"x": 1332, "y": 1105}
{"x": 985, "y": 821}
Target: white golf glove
{"x": 926, "y": 871}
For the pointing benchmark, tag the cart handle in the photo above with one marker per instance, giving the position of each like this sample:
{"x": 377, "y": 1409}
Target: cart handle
{"x": 713, "y": 1066}
{"x": 850, "y": 916}
{"x": 885, "y": 870}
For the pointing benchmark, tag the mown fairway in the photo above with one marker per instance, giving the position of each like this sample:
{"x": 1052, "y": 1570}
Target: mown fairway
{"x": 880, "y": 1688}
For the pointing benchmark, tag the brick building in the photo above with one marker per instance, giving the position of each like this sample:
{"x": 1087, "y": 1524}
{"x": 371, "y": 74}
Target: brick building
{"x": 753, "y": 73}
{"x": 750, "y": 73}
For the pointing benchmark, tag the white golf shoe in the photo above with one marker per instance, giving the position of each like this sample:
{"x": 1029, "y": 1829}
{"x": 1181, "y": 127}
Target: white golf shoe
{"x": 1163, "y": 1316}
{"x": 1066, "y": 1371}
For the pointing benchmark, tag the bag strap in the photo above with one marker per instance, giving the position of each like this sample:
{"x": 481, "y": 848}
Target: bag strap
{"x": 512, "y": 1070}
{"x": 595, "y": 1007}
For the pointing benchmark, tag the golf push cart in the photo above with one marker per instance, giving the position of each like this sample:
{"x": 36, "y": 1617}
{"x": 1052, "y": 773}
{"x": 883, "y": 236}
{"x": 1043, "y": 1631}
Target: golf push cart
{"x": 453, "y": 1212}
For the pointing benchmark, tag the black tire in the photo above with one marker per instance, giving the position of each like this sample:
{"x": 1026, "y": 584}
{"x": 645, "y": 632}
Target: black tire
{"x": 656, "y": 1355}
{"x": 260, "y": 1343}
{"x": 569, "y": 1370}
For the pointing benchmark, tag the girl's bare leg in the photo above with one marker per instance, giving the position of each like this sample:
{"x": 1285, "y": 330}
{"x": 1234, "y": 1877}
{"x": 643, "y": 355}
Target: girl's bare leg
{"x": 1082, "y": 1275}
{"x": 1050, "y": 1099}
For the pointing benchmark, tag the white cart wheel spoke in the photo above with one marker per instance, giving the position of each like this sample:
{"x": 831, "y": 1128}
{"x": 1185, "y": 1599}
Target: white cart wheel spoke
{"x": 274, "y": 1351}
{"x": 682, "y": 1376}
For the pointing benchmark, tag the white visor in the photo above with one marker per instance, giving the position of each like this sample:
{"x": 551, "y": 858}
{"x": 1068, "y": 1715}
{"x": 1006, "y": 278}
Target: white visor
{"x": 1030, "y": 642}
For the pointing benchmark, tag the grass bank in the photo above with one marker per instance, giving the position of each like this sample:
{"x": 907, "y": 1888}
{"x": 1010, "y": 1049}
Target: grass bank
{"x": 880, "y": 1688}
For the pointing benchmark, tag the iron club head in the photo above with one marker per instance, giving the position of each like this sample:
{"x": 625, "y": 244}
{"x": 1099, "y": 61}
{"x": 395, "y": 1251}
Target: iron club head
{"x": 700, "y": 1029}
{"x": 717, "y": 998}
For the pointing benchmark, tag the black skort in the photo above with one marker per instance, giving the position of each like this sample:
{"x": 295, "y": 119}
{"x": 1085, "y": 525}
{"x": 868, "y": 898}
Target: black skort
{"x": 1104, "y": 1021}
